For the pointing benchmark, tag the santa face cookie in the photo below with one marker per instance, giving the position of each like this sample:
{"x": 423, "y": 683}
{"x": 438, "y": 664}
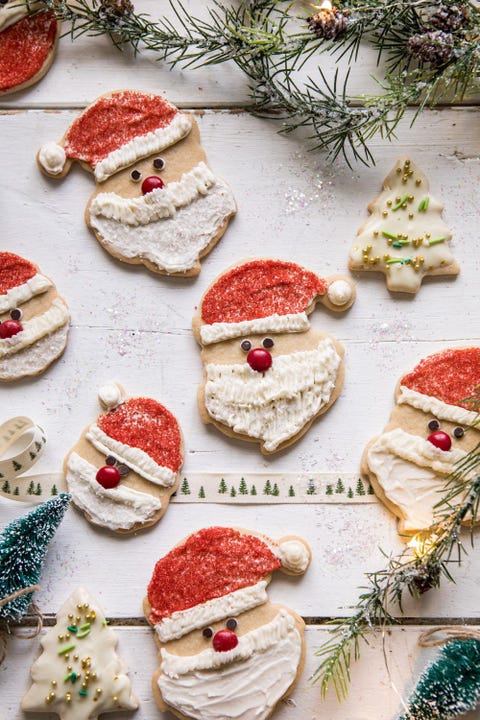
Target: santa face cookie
{"x": 79, "y": 674}
{"x": 157, "y": 203}
{"x": 27, "y": 45}
{"x": 34, "y": 320}
{"x": 267, "y": 374}
{"x": 405, "y": 236}
{"x": 427, "y": 434}
{"x": 225, "y": 650}
{"x": 124, "y": 469}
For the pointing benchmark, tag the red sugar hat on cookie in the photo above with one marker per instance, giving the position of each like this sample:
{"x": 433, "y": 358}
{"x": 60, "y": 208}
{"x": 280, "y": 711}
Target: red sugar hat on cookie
{"x": 115, "y": 131}
{"x": 139, "y": 432}
{"x": 19, "y": 281}
{"x": 216, "y": 573}
{"x": 264, "y": 295}
{"x": 442, "y": 383}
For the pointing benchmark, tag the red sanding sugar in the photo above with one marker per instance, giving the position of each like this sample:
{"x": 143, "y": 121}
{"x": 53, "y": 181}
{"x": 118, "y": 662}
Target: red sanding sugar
{"x": 25, "y": 47}
{"x": 14, "y": 271}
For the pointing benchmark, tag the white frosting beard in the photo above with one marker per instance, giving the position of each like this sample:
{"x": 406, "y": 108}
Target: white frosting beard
{"x": 169, "y": 227}
{"x": 38, "y": 327}
{"x": 244, "y": 683}
{"x": 118, "y": 509}
{"x": 34, "y": 358}
{"x": 411, "y": 472}
{"x": 276, "y": 405}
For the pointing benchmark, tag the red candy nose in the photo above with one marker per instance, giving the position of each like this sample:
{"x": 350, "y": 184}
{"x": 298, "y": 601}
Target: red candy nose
{"x": 259, "y": 359}
{"x": 151, "y": 183}
{"x": 108, "y": 476}
{"x": 224, "y": 640}
{"x": 9, "y": 328}
{"x": 440, "y": 439}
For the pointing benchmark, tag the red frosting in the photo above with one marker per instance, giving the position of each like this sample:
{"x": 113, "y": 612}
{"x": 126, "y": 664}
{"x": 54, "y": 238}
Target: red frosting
{"x": 14, "y": 271}
{"x": 25, "y": 46}
{"x": 113, "y": 121}
{"x": 145, "y": 424}
{"x": 209, "y": 564}
{"x": 261, "y": 288}
{"x": 451, "y": 376}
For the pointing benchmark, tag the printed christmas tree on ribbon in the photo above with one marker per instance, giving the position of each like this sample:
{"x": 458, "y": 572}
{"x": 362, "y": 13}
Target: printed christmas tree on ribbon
{"x": 23, "y": 546}
{"x": 79, "y": 673}
{"x": 405, "y": 236}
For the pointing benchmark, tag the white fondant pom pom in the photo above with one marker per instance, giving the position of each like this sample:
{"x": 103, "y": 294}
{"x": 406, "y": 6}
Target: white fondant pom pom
{"x": 111, "y": 395}
{"x": 52, "y": 158}
{"x": 295, "y": 556}
{"x": 339, "y": 292}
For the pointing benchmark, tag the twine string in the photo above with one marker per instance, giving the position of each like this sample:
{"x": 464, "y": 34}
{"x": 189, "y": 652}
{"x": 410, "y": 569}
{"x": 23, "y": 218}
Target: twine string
{"x": 4, "y": 631}
{"x": 451, "y": 632}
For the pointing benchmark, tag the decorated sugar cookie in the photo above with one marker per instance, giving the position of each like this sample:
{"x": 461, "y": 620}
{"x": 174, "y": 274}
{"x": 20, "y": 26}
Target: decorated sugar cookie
{"x": 225, "y": 651}
{"x": 27, "y": 45}
{"x": 124, "y": 469}
{"x": 34, "y": 320}
{"x": 427, "y": 434}
{"x": 267, "y": 374}
{"x": 405, "y": 236}
{"x": 157, "y": 201}
{"x": 79, "y": 674}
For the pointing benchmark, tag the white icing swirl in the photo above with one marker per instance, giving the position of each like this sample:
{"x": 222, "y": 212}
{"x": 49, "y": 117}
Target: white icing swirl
{"x": 294, "y": 555}
{"x": 16, "y": 296}
{"x": 38, "y": 327}
{"x": 52, "y": 158}
{"x": 111, "y": 395}
{"x": 339, "y": 292}
{"x": 184, "y": 621}
{"x": 436, "y": 407}
{"x": 290, "y": 322}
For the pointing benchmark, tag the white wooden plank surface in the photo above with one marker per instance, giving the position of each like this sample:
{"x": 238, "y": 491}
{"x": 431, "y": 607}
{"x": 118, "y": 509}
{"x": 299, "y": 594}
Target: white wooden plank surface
{"x": 134, "y": 327}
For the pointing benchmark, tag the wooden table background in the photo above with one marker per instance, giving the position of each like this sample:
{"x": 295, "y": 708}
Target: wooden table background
{"x": 134, "y": 327}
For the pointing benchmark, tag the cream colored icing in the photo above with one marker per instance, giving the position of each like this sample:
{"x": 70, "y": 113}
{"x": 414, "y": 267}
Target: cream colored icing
{"x": 143, "y": 146}
{"x": 111, "y": 395}
{"x": 136, "y": 459}
{"x": 118, "y": 509}
{"x": 294, "y": 556}
{"x": 99, "y": 644}
{"x": 36, "y": 328}
{"x": 436, "y": 407}
{"x": 52, "y": 158}
{"x": 411, "y": 472}
{"x": 248, "y": 681}
{"x": 199, "y": 616}
{"x": 339, "y": 292}
{"x": 174, "y": 243}
{"x": 218, "y": 331}
{"x": 34, "y": 358}
{"x": 20, "y": 294}
{"x": 403, "y": 277}
{"x": 273, "y": 406}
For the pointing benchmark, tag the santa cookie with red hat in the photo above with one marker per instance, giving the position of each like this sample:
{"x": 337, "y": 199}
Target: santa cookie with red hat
{"x": 268, "y": 375}
{"x": 34, "y": 319}
{"x": 124, "y": 469}
{"x": 430, "y": 430}
{"x": 157, "y": 202}
{"x": 225, "y": 650}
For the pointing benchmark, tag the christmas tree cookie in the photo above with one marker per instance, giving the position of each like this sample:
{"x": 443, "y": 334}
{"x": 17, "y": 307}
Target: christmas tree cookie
{"x": 405, "y": 236}
{"x": 79, "y": 674}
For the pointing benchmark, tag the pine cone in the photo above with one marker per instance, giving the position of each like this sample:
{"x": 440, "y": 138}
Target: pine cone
{"x": 328, "y": 23}
{"x": 434, "y": 47}
{"x": 115, "y": 10}
{"x": 425, "y": 579}
{"x": 449, "y": 18}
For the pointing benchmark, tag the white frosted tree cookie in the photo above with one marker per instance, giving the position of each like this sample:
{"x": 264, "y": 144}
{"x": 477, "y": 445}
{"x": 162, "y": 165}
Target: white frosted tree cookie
{"x": 157, "y": 202}
{"x": 34, "y": 320}
{"x": 267, "y": 374}
{"x": 124, "y": 469}
{"x": 429, "y": 431}
{"x": 225, "y": 651}
{"x": 27, "y": 45}
{"x": 79, "y": 674}
{"x": 405, "y": 236}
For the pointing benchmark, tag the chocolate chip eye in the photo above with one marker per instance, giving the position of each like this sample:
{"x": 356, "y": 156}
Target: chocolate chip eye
{"x": 459, "y": 432}
{"x": 159, "y": 163}
{"x": 246, "y": 345}
{"x": 231, "y": 623}
{"x": 16, "y": 314}
{"x": 207, "y": 632}
{"x": 433, "y": 425}
{"x": 123, "y": 470}
{"x": 268, "y": 343}
{"x": 110, "y": 460}
{"x": 136, "y": 175}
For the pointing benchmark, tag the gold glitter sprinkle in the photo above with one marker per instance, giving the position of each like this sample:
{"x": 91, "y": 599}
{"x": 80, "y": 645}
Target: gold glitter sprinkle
{"x": 69, "y": 668}
{"x": 398, "y": 170}
{"x": 407, "y": 162}
{"x": 410, "y": 198}
{"x": 410, "y": 215}
{"x": 54, "y": 683}
{"x": 386, "y": 256}
{"x": 60, "y": 637}
{"x": 427, "y": 235}
{"x": 404, "y": 205}
{"x": 68, "y": 697}
{"x": 389, "y": 203}
{"x": 98, "y": 691}
{"x": 404, "y": 179}
{"x": 115, "y": 698}
{"x": 76, "y": 656}
{"x": 442, "y": 262}
{"x": 70, "y": 616}
{"x": 78, "y": 618}
{"x": 397, "y": 199}
{"x": 67, "y": 656}
{"x": 375, "y": 233}
{"x": 385, "y": 213}
{"x": 79, "y": 606}
{"x": 418, "y": 181}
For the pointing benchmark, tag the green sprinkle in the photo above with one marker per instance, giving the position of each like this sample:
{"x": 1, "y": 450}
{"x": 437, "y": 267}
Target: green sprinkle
{"x": 423, "y": 205}
{"x": 66, "y": 649}
{"x": 83, "y": 692}
{"x": 73, "y": 677}
{"x": 105, "y": 623}
{"x": 72, "y": 629}
{"x": 397, "y": 244}
{"x": 389, "y": 235}
{"x": 391, "y": 261}
{"x": 83, "y": 633}
{"x": 408, "y": 261}
{"x": 436, "y": 241}
{"x": 67, "y": 677}
{"x": 84, "y": 626}
{"x": 400, "y": 203}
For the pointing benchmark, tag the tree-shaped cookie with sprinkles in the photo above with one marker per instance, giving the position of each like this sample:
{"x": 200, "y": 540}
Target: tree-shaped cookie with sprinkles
{"x": 79, "y": 674}
{"x": 405, "y": 236}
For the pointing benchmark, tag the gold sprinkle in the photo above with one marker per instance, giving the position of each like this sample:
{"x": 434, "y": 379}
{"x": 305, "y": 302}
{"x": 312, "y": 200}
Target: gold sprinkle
{"x": 69, "y": 668}
{"x": 405, "y": 237}
{"x": 397, "y": 199}
{"x": 67, "y": 656}
{"x": 398, "y": 170}
{"x": 410, "y": 173}
{"x": 386, "y": 256}
{"x": 404, "y": 179}
{"x": 410, "y": 215}
{"x": 78, "y": 618}
{"x": 389, "y": 203}
{"x": 84, "y": 684}
{"x": 60, "y": 637}
{"x": 98, "y": 691}
{"x": 94, "y": 676}
{"x": 54, "y": 683}
{"x": 48, "y": 699}
{"x": 79, "y": 606}
{"x": 430, "y": 267}
{"x": 70, "y": 616}
{"x": 115, "y": 698}
{"x": 404, "y": 205}
{"x": 95, "y": 698}
{"x": 116, "y": 677}
{"x": 52, "y": 695}
{"x": 407, "y": 162}
{"x": 418, "y": 181}
{"x": 385, "y": 213}
{"x": 68, "y": 697}
{"x": 427, "y": 235}
{"x": 442, "y": 262}
{"x": 375, "y": 233}
{"x": 86, "y": 606}
{"x": 410, "y": 198}
{"x": 67, "y": 636}
{"x": 76, "y": 656}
